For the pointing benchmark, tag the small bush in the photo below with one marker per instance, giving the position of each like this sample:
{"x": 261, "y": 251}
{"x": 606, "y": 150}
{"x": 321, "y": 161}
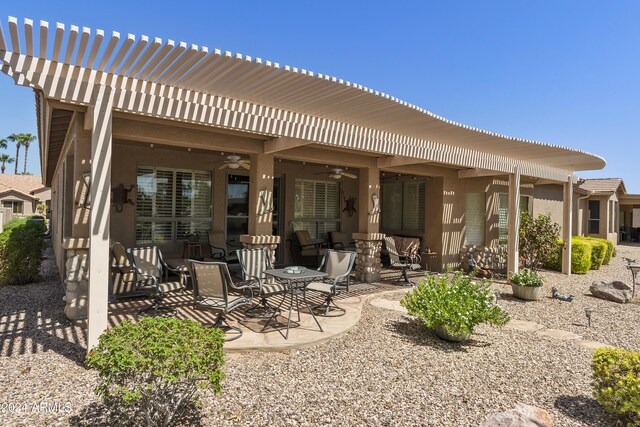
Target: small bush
{"x": 598, "y": 251}
{"x": 150, "y": 371}
{"x": 538, "y": 237}
{"x": 610, "y": 252}
{"x": 526, "y": 277}
{"x": 21, "y": 247}
{"x": 455, "y": 303}
{"x": 580, "y": 256}
{"x": 616, "y": 383}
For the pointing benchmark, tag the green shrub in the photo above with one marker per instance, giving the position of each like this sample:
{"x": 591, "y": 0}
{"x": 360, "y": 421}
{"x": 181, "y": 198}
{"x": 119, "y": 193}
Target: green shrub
{"x": 21, "y": 247}
{"x": 526, "y": 277}
{"x": 616, "y": 383}
{"x": 150, "y": 371}
{"x": 598, "y": 251}
{"x": 580, "y": 256}
{"x": 611, "y": 249}
{"x": 538, "y": 237}
{"x": 455, "y": 303}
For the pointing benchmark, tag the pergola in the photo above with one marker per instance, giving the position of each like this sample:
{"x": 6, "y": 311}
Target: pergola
{"x": 73, "y": 69}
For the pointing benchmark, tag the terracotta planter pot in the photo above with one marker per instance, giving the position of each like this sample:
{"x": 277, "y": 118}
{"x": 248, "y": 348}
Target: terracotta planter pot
{"x": 528, "y": 293}
{"x": 442, "y": 333}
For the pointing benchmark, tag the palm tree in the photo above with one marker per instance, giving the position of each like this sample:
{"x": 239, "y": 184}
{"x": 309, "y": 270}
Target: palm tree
{"x": 17, "y": 138}
{"x": 3, "y": 144}
{"x": 27, "y": 139}
{"x": 4, "y": 158}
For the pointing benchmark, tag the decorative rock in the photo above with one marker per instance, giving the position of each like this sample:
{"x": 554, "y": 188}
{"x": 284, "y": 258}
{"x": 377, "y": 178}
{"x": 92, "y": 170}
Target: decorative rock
{"x": 368, "y": 265}
{"x": 491, "y": 258}
{"x": 523, "y": 325}
{"x": 614, "y": 291}
{"x": 522, "y": 416}
{"x": 77, "y": 286}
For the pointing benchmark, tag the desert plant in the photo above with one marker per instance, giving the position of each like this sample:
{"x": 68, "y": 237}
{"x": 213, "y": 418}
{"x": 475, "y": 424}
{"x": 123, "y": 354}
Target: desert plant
{"x": 454, "y": 302}
{"x": 538, "y": 237}
{"x": 21, "y": 247}
{"x": 616, "y": 383}
{"x": 610, "y": 251}
{"x": 598, "y": 251}
{"x": 580, "y": 256}
{"x": 150, "y": 371}
{"x": 526, "y": 277}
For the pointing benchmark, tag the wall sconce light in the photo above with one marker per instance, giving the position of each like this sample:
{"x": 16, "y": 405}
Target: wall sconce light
{"x": 120, "y": 196}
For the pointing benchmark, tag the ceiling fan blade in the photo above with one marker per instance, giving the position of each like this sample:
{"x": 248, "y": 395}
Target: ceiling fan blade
{"x": 349, "y": 175}
{"x": 226, "y": 165}
{"x": 244, "y": 165}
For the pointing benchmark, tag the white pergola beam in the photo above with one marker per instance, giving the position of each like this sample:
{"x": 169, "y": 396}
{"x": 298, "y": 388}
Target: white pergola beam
{"x": 513, "y": 257}
{"x": 3, "y": 43}
{"x": 28, "y": 36}
{"x": 95, "y": 47}
{"x": 283, "y": 143}
{"x": 13, "y": 31}
{"x": 82, "y": 47}
{"x": 106, "y": 56}
{"x": 567, "y": 226}
{"x": 44, "y": 34}
{"x": 478, "y": 173}
{"x": 101, "y": 142}
{"x": 57, "y": 42}
{"x": 71, "y": 43}
{"x": 391, "y": 161}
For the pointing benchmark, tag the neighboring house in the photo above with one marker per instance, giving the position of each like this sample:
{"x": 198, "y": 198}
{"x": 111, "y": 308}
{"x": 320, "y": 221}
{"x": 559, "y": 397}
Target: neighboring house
{"x": 22, "y": 193}
{"x": 165, "y": 119}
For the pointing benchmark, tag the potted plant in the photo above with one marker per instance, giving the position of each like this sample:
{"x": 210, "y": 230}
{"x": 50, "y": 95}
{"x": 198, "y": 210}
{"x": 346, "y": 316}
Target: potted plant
{"x": 452, "y": 305}
{"x": 526, "y": 284}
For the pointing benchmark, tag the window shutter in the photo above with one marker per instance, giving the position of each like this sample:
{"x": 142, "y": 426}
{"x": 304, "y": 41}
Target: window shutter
{"x": 475, "y": 215}
{"x": 144, "y": 193}
{"x": 164, "y": 194}
{"x": 391, "y": 203}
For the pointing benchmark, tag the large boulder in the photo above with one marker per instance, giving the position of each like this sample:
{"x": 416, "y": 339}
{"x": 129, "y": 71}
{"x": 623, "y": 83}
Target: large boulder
{"x": 522, "y": 416}
{"x": 613, "y": 291}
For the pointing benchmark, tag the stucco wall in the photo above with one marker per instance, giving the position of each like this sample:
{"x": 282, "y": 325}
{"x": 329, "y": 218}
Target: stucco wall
{"x": 28, "y": 206}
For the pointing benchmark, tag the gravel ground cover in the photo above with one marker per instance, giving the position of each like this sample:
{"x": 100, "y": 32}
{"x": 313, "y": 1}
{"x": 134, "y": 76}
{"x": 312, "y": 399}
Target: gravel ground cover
{"x": 387, "y": 371}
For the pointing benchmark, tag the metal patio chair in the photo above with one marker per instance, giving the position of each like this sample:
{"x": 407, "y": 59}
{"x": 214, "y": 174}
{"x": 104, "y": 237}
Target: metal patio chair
{"x": 253, "y": 263}
{"x": 211, "y": 285}
{"x": 151, "y": 275}
{"x": 338, "y": 266}
{"x": 306, "y": 247}
{"x": 399, "y": 262}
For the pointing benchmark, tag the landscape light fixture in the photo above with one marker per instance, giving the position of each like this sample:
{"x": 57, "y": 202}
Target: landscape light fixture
{"x": 587, "y": 312}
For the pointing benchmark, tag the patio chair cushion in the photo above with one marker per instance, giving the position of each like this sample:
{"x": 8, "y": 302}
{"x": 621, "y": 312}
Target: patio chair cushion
{"x": 322, "y": 287}
{"x": 214, "y": 304}
{"x": 165, "y": 287}
{"x": 407, "y": 246}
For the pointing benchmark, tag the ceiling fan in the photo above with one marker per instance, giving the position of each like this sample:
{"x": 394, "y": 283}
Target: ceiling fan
{"x": 337, "y": 173}
{"x": 235, "y": 162}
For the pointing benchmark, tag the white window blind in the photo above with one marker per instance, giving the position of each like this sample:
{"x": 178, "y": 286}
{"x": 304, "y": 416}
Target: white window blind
{"x": 475, "y": 213}
{"x": 317, "y": 207}
{"x": 171, "y": 203}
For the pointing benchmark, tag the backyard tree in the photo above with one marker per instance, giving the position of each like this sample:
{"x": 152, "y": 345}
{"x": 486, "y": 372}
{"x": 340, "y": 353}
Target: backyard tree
{"x": 21, "y": 140}
{"x": 538, "y": 239}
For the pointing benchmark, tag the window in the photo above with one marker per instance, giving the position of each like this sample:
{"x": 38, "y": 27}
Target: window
{"x": 317, "y": 207}
{"x": 171, "y": 203}
{"x": 237, "y": 207}
{"x": 15, "y": 206}
{"x": 475, "y": 214}
{"x": 594, "y": 216}
{"x": 403, "y": 206}
{"x": 503, "y": 215}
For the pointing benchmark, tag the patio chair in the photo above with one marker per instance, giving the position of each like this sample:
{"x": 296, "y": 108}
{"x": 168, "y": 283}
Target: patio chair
{"x": 151, "y": 275}
{"x": 342, "y": 241}
{"x": 307, "y": 247}
{"x": 211, "y": 285}
{"x": 398, "y": 262}
{"x": 219, "y": 248}
{"x": 122, "y": 283}
{"x": 253, "y": 263}
{"x": 338, "y": 266}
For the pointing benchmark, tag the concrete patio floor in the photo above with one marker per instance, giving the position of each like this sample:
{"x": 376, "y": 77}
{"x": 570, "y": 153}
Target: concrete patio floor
{"x": 302, "y": 333}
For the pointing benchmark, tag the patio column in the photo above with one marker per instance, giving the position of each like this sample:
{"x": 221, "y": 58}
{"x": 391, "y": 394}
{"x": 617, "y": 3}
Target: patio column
{"x": 261, "y": 205}
{"x": 567, "y": 226}
{"x": 101, "y": 136}
{"x": 513, "y": 228}
{"x": 368, "y": 239}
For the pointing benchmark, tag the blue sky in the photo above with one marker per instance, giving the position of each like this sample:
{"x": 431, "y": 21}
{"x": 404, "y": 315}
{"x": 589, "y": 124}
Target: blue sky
{"x": 560, "y": 72}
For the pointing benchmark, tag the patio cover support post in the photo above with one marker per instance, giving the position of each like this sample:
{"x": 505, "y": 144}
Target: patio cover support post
{"x": 567, "y": 226}
{"x": 261, "y": 205}
{"x": 101, "y": 141}
{"x": 513, "y": 227}
{"x": 368, "y": 240}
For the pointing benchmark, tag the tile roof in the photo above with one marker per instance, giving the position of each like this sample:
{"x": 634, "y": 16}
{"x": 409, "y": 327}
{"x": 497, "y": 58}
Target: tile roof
{"x": 21, "y": 183}
{"x": 601, "y": 185}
